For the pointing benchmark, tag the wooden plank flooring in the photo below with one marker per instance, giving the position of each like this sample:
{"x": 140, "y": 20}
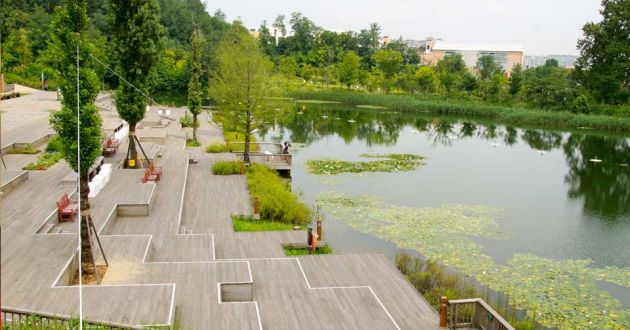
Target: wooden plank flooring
{"x": 185, "y": 247}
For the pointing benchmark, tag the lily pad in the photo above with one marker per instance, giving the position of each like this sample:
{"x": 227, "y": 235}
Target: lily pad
{"x": 388, "y": 163}
{"x": 557, "y": 293}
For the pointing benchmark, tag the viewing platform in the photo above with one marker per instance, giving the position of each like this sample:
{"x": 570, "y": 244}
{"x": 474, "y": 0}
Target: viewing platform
{"x": 266, "y": 153}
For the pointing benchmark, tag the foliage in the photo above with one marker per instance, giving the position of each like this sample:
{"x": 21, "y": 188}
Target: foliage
{"x": 227, "y": 167}
{"x": 277, "y": 202}
{"x": 450, "y": 71}
{"x": 55, "y": 144}
{"x": 217, "y": 148}
{"x": 247, "y": 224}
{"x": 240, "y": 86}
{"x": 389, "y": 62}
{"x": 426, "y": 79}
{"x": 231, "y": 137}
{"x": 603, "y": 66}
{"x": 349, "y": 69}
{"x": 69, "y": 20}
{"x": 580, "y": 105}
{"x": 195, "y": 95}
{"x": 44, "y": 161}
{"x": 187, "y": 121}
{"x": 516, "y": 79}
{"x": 549, "y": 87}
{"x": 136, "y": 37}
{"x": 487, "y": 67}
{"x": 390, "y": 163}
{"x": 293, "y": 251}
{"x": 562, "y": 293}
{"x": 27, "y": 150}
{"x": 192, "y": 143}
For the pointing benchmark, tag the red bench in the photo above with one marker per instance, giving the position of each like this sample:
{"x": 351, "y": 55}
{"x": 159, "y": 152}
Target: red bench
{"x": 65, "y": 210}
{"x": 110, "y": 147}
{"x": 149, "y": 177}
{"x": 157, "y": 171}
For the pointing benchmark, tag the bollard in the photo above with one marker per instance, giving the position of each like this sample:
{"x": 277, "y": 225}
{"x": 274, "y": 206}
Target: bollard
{"x": 256, "y": 208}
{"x": 443, "y": 308}
{"x": 319, "y": 230}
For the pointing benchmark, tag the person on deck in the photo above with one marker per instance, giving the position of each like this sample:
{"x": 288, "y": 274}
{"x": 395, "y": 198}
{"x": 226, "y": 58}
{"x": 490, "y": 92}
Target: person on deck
{"x": 285, "y": 149}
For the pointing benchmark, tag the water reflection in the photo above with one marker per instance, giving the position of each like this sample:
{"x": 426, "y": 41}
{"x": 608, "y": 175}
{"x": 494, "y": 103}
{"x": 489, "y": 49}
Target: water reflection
{"x": 603, "y": 187}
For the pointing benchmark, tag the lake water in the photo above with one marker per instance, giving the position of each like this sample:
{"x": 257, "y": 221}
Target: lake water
{"x": 561, "y": 195}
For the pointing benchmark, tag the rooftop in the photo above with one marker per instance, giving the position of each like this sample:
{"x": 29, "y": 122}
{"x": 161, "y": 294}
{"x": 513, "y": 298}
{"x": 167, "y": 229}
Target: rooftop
{"x": 441, "y": 45}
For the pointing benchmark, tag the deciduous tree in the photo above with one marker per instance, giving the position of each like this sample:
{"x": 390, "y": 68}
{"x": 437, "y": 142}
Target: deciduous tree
{"x": 137, "y": 33}
{"x": 195, "y": 96}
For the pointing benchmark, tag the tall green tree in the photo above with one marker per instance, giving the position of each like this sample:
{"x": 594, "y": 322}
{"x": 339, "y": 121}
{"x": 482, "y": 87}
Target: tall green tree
{"x": 68, "y": 33}
{"x": 604, "y": 62}
{"x": 451, "y": 71}
{"x": 195, "y": 95}
{"x": 426, "y": 79}
{"x": 136, "y": 38}
{"x": 516, "y": 79}
{"x": 389, "y": 62}
{"x": 241, "y": 84}
{"x": 487, "y": 67}
{"x": 349, "y": 69}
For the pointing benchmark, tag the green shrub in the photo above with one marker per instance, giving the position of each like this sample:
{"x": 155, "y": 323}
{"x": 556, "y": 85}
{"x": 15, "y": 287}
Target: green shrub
{"x": 27, "y": 150}
{"x": 293, "y": 251}
{"x": 217, "y": 148}
{"x": 44, "y": 161}
{"x": 276, "y": 201}
{"x": 227, "y": 167}
{"x": 187, "y": 121}
{"x": 238, "y": 137}
{"x": 54, "y": 144}
{"x": 192, "y": 143}
{"x": 247, "y": 224}
{"x": 580, "y": 105}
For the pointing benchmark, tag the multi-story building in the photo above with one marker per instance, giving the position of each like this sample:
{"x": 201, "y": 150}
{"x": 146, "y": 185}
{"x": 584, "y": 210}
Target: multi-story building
{"x": 507, "y": 56}
{"x": 565, "y": 61}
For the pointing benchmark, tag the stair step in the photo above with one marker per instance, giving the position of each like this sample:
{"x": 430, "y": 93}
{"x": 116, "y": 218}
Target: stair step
{"x": 182, "y": 230}
{"x": 57, "y": 230}
{"x": 189, "y": 231}
{"x": 46, "y": 229}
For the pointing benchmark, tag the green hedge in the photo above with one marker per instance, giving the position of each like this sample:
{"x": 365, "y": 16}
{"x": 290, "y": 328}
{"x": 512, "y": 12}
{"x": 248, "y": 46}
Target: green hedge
{"x": 277, "y": 202}
{"x": 217, "y": 148}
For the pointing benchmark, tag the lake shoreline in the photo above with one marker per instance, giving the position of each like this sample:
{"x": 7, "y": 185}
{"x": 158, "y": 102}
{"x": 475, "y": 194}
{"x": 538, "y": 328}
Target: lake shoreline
{"x": 502, "y": 114}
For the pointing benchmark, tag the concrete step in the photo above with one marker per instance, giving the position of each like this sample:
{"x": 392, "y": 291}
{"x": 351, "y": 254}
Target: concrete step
{"x": 182, "y": 230}
{"x": 46, "y": 228}
{"x": 188, "y": 231}
{"x": 56, "y": 230}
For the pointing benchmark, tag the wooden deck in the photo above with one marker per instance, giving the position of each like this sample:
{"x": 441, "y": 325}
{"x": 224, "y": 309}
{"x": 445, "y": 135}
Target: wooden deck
{"x": 266, "y": 153}
{"x": 171, "y": 249}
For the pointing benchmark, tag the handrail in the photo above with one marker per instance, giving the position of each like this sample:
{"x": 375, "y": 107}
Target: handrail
{"x": 14, "y": 319}
{"x": 272, "y": 160}
{"x": 480, "y": 315}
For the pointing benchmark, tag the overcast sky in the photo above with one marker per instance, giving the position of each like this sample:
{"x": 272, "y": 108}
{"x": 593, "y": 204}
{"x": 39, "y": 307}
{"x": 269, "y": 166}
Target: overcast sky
{"x": 541, "y": 26}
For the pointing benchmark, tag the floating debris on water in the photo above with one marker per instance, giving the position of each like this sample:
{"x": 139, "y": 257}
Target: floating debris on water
{"x": 368, "y": 106}
{"x": 352, "y": 121}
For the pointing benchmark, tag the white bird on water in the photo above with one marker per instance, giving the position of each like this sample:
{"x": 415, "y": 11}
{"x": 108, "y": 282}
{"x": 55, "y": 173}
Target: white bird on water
{"x": 352, "y": 121}
{"x": 595, "y": 160}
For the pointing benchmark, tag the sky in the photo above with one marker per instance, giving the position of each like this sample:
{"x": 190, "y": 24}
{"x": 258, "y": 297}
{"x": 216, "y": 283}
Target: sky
{"x": 543, "y": 27}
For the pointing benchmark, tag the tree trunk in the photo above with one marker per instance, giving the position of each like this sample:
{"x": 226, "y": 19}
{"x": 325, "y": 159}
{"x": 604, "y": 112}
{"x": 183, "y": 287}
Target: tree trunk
{"x": 87, "y": 254}
{"x": 132, "y": 153}
{"x": 194, "y": 127}
{"x": 246, "y": 150}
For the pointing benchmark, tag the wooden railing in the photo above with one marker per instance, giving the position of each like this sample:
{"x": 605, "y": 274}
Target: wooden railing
{"x": 18, "y": 319}
{"x": 278, "y": 161}
{"x": 471, "y": 313}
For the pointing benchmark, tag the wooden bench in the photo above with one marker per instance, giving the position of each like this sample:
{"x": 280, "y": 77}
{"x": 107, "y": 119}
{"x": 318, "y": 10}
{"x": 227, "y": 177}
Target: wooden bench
{"x": 66, "y": 210}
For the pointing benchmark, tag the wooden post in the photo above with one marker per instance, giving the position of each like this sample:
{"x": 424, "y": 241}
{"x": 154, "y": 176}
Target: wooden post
{"x": 256, "y": 208}
{"x": 443, "y": 309}
{"x": 319, "y": 229}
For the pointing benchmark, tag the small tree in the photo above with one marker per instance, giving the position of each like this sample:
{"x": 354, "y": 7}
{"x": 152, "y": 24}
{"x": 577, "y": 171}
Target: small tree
{"x": 68, "y": 26}
{"x": 136, "y": 36}
{"x": 516, "y": 79}
{"x": 349, "y": 69}
{"x": 389, "y": 62}
{"x": 427, "y": 79}
{"x": 241, "y": 84}
{"x": 487, "y": 67}
{"x": 195, "y": 95}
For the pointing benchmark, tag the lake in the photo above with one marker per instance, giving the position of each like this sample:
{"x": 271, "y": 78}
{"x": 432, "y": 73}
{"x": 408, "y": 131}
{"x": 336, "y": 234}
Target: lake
{"x": 551, "y": 199}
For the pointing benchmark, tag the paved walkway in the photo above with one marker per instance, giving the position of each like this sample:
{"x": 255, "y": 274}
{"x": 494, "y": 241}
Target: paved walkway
{"x": 172, "y": 252}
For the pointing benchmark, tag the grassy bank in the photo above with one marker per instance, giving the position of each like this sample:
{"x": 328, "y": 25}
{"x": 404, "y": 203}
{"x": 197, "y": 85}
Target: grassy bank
{"x": 504, "y": 114}
{"x": 228, "y": 167}
{"x": 246, "y": 224}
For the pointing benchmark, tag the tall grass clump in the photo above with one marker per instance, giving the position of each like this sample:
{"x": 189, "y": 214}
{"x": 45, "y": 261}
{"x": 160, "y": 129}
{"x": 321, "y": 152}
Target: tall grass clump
{"x": 27, "y": 150}
{"x": 227, "y": 167}
{"x": 276, "y": 201}
{"x": 217, "y": 148}
{"x": 469, "y": 108}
